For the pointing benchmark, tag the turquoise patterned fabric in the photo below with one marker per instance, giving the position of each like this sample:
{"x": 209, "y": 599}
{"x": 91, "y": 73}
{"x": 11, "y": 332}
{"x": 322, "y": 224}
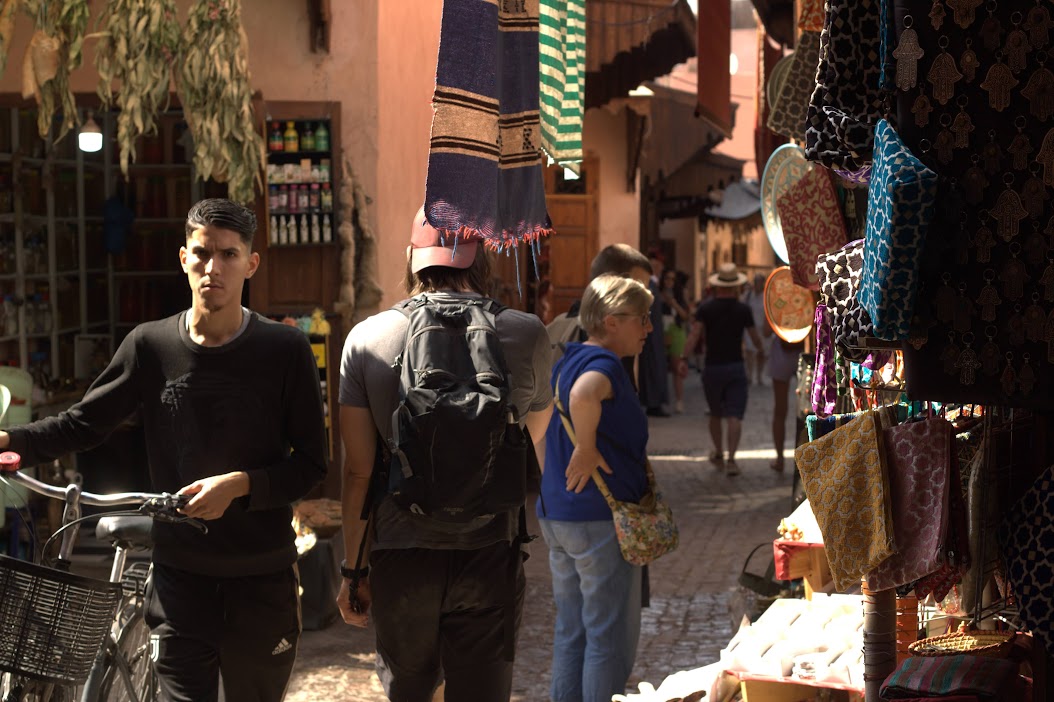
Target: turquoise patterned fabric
{"x": 899, "y": 210}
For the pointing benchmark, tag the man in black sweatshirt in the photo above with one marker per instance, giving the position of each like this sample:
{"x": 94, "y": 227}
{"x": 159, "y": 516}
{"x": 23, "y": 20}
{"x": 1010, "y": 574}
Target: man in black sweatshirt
{"x": 232, "y": 411}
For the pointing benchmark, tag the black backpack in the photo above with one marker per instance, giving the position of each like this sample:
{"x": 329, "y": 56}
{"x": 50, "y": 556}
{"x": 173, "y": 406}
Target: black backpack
{"x": 457, "y": 451}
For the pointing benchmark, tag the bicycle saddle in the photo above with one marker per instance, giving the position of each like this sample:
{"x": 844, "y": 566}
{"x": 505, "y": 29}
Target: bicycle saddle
{"x": 126, "y": 532}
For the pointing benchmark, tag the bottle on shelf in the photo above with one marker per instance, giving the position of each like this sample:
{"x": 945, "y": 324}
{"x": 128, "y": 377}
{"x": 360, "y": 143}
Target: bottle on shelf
{"x": 323, "y": 170}
{"x": 272, "y": 198}
{"x": 314, "y": 198}
{"x": 307, "y": 139}
{"x": 283, "y": 198}
{"x": 321, "y": 137}
{"x": 275, "y": 140}
{"x": 272, "y": 230}
{"x": 326, "y": 198}
{"x": 316, "y": 230}
{"x": 44, "y": 313}
{"x": 303, "y": 203}
{"x": 327, "y": 230}
{"x": 290, "y": 139}
{"x": 10, "y": 316}
{"x": 283, "y": 231}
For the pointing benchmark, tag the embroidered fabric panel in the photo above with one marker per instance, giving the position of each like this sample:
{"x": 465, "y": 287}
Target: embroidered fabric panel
{"x": 900, "y": 207}
{"x": 975, "y": 102}
{"x": 845, "y": 478}
{"x": 812, "y": 224}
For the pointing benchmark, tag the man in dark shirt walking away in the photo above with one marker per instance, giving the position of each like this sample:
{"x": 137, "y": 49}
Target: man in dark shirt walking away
{"x": 232, "y": 411}
{"x": 720, "y": 322}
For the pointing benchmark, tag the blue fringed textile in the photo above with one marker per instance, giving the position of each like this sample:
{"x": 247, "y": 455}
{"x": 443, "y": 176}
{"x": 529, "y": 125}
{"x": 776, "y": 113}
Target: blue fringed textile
{"x": 484, "y": 161}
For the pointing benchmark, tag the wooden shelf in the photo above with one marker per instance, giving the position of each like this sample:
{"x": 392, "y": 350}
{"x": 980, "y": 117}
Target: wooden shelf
{"x": 297, "y": 155}
{"x": 146, "y": 274}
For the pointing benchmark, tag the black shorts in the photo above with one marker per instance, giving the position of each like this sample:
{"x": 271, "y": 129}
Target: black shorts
{"x": 725, "y": 387}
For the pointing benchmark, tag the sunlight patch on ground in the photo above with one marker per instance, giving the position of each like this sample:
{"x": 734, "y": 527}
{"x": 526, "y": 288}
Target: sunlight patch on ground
{"x": 742, "y": 454}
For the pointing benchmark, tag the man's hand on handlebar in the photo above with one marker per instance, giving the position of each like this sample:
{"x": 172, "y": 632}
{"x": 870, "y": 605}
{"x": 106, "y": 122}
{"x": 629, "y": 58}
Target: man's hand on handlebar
{"x": 210, "y": 497}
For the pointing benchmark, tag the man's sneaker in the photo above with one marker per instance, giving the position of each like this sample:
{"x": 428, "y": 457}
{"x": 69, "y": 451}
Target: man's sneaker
{"x": 731, "y": 468}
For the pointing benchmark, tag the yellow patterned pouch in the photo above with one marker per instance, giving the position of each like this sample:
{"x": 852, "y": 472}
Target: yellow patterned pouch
{"x": 844, "y": 474}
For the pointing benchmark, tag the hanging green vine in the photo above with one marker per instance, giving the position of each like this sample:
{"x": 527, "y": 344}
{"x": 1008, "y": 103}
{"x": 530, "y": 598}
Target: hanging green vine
{"x": 217, "y": 98}
{"x": 54, "y": 52}
{"x": 139, "y": 45}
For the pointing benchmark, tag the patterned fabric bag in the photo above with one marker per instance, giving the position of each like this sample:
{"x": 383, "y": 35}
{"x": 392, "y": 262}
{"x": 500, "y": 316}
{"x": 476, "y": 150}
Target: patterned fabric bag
{"x": 955, "y": 546}
{"x": 811, "y": 17}
{"x": 790, "y": 107}
{"x": 812, "y": 224}
{"x": 846, "y": 103}
{"x": 979, "y": 677}
{"x": 839, "y": 274}
{"x": 1028, "y": 538}
{"x": 844, "y": 475}
{"x": 899, "y": 210}
{"x": 918, "y": 456}
{"x": 645, "y": 530}
{"x": 824, "y": 390}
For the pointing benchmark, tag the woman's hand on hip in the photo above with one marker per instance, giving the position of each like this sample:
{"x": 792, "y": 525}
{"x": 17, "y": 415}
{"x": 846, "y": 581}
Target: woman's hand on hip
{"x": 582, "y": 465}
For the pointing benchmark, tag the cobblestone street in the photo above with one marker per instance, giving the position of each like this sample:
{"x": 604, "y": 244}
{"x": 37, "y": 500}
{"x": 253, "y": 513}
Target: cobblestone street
{"x": 720, "y": 518}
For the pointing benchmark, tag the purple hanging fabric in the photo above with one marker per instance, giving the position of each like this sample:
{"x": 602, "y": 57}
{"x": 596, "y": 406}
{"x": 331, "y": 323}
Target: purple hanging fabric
{"x": 824, "y": 389}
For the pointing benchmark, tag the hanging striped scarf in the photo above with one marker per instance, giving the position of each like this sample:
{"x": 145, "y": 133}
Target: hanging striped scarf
{"x": 563, "y": 57}
{"x": 484, "y": 163}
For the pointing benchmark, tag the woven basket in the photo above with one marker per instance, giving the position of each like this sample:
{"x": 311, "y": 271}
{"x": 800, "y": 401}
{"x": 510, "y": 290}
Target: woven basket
{"x": 993, "y": 644}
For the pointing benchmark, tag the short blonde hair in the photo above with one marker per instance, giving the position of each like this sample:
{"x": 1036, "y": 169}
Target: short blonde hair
{"x": 608, "y": 294}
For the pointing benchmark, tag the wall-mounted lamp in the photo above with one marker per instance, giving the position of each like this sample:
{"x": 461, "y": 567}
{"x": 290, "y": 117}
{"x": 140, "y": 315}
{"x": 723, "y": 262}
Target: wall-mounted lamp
{"x": 90, "y": 137}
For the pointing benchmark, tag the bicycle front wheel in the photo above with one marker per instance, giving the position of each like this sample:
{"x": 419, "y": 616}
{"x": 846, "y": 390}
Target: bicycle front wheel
{"x": 129, "y": 674}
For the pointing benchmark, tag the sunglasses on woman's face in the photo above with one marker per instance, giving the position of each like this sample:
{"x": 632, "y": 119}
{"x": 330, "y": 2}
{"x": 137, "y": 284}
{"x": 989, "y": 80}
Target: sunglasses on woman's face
{"x": 644, "y": 318}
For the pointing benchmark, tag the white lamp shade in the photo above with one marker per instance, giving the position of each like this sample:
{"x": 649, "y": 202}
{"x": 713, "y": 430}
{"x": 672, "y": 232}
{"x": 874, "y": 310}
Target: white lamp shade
{"x": 89, "y": 141}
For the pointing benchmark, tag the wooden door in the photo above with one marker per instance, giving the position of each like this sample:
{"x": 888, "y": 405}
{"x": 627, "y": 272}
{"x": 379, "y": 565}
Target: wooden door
{"x": 573, "y": 210}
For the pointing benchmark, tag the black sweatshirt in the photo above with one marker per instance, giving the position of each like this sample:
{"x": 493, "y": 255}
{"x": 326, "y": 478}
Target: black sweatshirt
{"x": 253, "y": 404}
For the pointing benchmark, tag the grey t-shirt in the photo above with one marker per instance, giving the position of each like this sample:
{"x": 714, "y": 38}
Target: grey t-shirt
{"x": 367, "y": 379}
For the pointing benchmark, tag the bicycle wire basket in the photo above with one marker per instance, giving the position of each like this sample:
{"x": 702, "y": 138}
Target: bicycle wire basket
{"x": 52, "y": 623}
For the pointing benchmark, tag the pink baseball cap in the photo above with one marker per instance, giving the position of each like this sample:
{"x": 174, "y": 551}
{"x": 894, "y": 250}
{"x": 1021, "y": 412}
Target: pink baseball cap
{"x": 426, "y": 249}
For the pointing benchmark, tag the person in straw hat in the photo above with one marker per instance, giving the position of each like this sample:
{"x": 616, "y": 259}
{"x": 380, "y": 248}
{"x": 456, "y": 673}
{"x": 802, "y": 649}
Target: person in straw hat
{"x": 720, "y": 322}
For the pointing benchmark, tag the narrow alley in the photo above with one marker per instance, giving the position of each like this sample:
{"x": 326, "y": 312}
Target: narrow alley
{"x": 720, "y": 520}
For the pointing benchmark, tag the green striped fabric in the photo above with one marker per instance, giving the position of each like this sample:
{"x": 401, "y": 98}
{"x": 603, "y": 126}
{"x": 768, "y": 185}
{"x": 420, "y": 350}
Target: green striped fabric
{"x": 562, "y": 52}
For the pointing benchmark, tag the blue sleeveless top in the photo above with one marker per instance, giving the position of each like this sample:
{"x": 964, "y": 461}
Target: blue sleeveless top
{"x": 622, "y": 438}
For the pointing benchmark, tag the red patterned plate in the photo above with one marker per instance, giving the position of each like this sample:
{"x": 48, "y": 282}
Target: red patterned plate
{"x": 789, "y": 308}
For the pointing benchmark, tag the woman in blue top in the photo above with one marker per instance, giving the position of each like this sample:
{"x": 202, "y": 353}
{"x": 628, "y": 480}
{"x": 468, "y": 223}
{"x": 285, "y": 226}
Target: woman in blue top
{"x": 597, "y": 593}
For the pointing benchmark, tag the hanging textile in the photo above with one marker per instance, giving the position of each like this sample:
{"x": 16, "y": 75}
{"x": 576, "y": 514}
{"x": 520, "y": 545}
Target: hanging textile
{"x": 562, "y": 56}
{"x": 975, "y": 102}
{"x": 484, "y": 161}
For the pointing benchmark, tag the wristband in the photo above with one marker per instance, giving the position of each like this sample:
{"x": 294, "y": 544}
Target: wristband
{"x": 353, "y": 573}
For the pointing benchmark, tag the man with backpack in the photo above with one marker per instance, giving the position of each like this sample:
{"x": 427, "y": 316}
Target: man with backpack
{"x": 434, "y": 396}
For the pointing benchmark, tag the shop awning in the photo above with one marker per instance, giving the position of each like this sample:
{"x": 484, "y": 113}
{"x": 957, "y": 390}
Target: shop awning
{"x": 700, "y": 187}
{"x": 629, "y": 42}
{"x": 739, "y": 200}
{"x": 778, "y": 18}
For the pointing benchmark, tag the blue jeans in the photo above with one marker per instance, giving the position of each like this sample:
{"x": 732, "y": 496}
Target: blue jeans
{"x": 597, "y": 596}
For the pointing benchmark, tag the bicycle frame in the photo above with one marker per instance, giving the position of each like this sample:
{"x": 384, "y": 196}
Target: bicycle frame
{"x": 74, "y": 497}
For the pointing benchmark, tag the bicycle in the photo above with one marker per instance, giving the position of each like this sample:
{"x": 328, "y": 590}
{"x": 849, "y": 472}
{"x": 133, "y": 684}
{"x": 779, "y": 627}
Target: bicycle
{"x": 67, "y": 637}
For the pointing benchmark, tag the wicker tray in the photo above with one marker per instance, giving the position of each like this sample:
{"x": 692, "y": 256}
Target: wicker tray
{"x": 993, "y": 644}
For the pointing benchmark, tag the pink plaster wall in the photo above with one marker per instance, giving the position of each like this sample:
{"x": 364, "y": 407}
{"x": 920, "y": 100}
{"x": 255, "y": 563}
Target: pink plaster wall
{"x": 604, "y": 134}
{"x": 380, "y": 67}
{"x": 407, "y": 50}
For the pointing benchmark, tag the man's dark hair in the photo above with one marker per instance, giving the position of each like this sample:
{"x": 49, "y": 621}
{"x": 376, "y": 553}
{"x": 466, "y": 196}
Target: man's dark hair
{"x": 618, "y": 259}
{"x": 223, "y": 214}
{"x": 475, "y": 278}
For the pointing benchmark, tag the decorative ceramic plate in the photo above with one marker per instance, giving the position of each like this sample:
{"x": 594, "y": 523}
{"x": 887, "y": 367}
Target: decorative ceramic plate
{"x": 778, "y": 79}
{"x": 785, "y": 167}
{"x": 789, "y": 308}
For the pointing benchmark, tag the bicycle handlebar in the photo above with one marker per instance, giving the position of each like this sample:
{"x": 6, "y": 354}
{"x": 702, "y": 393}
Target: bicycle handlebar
{"x": 163, "y": 506}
